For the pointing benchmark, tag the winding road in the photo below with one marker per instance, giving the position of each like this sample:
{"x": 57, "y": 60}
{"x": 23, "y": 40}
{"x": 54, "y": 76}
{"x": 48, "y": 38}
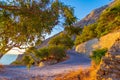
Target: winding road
{"x": 75, "y": 62}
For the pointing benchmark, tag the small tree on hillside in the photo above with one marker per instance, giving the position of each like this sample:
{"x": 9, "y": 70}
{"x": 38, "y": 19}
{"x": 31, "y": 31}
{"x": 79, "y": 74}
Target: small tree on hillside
{"x": 63, "y": 40}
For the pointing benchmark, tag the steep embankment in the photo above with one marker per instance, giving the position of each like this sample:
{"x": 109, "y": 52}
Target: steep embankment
{"x": 104, "y": 42}
{"x": 110, "y": 65}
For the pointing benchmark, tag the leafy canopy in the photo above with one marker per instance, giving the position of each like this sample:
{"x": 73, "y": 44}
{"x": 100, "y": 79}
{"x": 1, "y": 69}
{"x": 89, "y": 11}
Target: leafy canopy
{"x": 24, "y": 22}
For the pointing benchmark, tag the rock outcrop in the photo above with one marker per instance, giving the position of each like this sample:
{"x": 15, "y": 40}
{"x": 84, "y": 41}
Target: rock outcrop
{"x": 104, "y": 42}
{"x": 110, "y": 64}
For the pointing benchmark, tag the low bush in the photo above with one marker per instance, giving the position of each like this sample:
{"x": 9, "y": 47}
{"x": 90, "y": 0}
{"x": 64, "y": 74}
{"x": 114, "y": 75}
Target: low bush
{"x": 97, "y": 55}
{"x": 57, "y": 52}
{"x": 62, "y": 40}
{"x": 17, "y": 63}
{"x": 87, "y": 34}
{"x": 28, "y": 60}
{"x": 42, "y": 53}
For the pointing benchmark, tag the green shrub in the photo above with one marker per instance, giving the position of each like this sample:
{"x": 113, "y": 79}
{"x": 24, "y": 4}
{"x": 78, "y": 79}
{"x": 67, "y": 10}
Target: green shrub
{"x": 42, "y": 53}
{"x": 97, "y": 55}
{"x": 109, "y": 20}
{"x": 71, "y": 30}
{"x": 17, "y": 63}
{"x": 87, "y": 34}
{"x": 57, "y": 52}
{"x": 63, "y": 40}
{"x": 28, "y": 60}
{"x": 54, "y": 52}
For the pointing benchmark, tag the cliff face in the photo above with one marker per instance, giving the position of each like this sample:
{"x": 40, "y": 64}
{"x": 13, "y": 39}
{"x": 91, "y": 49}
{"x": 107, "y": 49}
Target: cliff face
{"x": 110, "y": 65}
{"x": 104, "y": 42}
{"x": 91, "y": 18}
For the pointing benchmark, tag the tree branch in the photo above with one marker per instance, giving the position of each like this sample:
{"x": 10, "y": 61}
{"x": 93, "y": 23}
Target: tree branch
{"x": 9, "y": 7}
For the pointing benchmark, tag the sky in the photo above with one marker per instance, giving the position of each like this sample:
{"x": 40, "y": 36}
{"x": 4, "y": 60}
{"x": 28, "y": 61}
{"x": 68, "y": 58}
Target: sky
{"x": 81, "y": 9}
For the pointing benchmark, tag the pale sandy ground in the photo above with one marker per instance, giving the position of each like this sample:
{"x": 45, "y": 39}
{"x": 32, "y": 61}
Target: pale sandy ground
{"x": 48, "y": 72}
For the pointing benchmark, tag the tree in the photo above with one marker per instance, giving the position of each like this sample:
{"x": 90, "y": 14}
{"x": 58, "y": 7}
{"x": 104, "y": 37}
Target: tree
{"x": 71, "y": 30}
{"x": 63, "y": 40}
{"x": 24, "y": 22}
{"x": 57, "y": 52}
{"x": 87, "y": 33}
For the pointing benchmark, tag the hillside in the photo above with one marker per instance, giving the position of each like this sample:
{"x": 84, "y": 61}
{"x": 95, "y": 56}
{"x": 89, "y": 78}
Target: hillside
{"x": 89, "y": 19}
{"x": 45, "y": 42}
{"x": 109, "y": 21}
{"x": 96, "y": 55}
{"x": 102, "y": 35}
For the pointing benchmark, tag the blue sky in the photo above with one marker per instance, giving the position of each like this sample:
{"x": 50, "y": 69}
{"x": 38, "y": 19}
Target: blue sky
{"x": 84, "y": 7}
{"x": 81, "y": 9}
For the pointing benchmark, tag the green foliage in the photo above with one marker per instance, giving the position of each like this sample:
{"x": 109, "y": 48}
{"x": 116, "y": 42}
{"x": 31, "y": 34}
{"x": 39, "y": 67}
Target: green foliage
{"x": 35, "y": 56}
{"x": 18, "y": 63}
{"x": 87, "y": 34}
{"x": 43, "y": 53}
{"x": 97, "y": 55}
{"x": 23, "y": 22}
{"x": 52, "y": 52}
{"x": 28, "y": 60}
{"x": 63, "y": 40}
{"x": 71, "y": 30}
{"x": 57, "y": 52}
{"x": 109, "y": 21}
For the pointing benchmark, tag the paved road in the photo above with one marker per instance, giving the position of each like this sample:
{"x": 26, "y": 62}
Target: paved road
{"x": 73, "y": 63}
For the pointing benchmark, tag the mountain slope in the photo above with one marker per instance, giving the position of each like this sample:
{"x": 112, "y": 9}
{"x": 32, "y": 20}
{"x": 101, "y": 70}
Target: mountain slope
{"x": 45, "y": 42}
{"x": 91, "y": 18}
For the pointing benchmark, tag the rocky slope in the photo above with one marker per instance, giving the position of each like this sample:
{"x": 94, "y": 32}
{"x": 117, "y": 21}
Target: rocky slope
{"x": 110, "y": 65}
{"x": 104, "y": 42}
{"x": 91, "y": 18}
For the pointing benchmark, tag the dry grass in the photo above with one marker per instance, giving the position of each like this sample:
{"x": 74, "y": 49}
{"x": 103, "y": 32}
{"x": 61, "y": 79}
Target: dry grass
{"x": 82, "y": 74}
